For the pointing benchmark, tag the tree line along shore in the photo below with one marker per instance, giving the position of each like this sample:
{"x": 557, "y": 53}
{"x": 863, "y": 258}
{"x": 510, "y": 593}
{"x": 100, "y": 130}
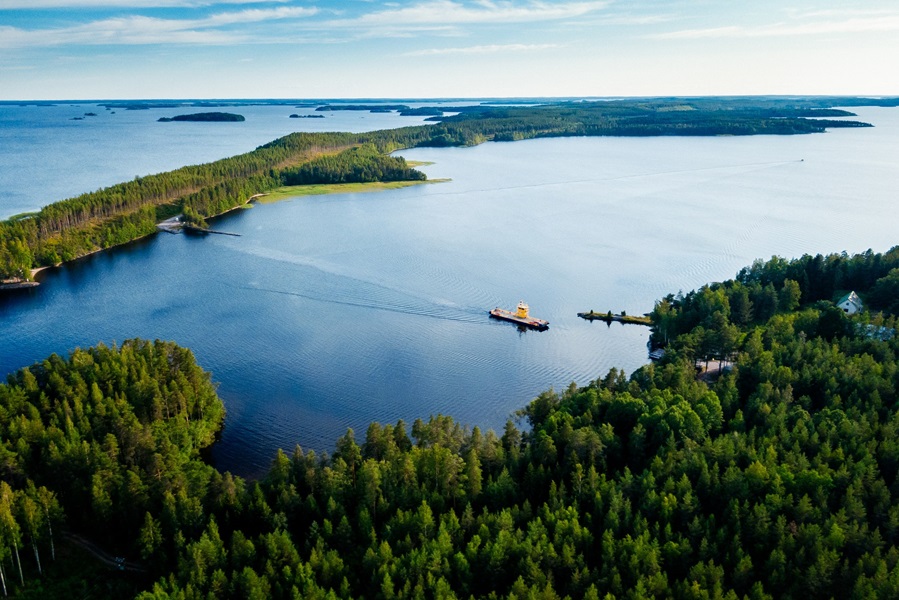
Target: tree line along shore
{"x": 777, "y": 479}
{"x": 68, "y": 229}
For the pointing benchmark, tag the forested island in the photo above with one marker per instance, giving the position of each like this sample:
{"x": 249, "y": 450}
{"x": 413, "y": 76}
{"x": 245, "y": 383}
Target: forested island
{"x": 206, "y": 117}
{"x": 375, "y": 108}
{"x": 777, "y": 478}
{"x": 68, "y": 229}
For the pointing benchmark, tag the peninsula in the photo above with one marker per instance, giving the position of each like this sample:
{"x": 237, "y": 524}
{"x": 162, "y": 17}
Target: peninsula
{"x": 75, "y": 227}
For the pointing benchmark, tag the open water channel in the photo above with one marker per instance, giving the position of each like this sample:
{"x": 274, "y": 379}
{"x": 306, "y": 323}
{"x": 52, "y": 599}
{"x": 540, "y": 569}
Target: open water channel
{"x": 331, "y": 312}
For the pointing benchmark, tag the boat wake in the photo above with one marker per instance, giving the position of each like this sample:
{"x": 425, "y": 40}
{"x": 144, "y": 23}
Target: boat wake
{"x": 323, "y": 282}
{"x": 432, "y": 309}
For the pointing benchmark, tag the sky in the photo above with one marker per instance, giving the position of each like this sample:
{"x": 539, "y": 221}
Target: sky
{"x": 122, "y": 49}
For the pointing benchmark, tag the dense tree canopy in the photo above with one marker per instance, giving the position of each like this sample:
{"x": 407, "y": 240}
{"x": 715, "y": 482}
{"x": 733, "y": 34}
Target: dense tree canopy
{"x": 361, "y": 164}
{"x": 775, "y": 479}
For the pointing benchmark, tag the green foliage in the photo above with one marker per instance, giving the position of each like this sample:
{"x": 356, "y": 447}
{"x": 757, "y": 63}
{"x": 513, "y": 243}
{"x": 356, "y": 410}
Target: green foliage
{"x": 884, "y": 294}
{"x": 776, "y": 479}
{"x": 205, "y": 117}
{"x": 15, "y": 257}
{"x": 707, "y": 323}
{"x": 191, "y": 217}
{"x": 103, "y": 440}
{"x": 357, "y": 165}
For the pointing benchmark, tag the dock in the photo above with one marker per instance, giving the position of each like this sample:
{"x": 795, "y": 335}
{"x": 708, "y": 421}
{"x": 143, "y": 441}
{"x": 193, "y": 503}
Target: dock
{"x": 608, "y": 317}
{"x": 174, "y": 225}
{"x": 201, "y": 230}
{"x": 171, "y": 225}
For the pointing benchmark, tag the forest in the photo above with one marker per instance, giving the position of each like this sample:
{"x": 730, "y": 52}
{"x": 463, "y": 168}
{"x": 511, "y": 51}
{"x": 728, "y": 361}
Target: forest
{"x": 360, "y": 164}
{"x": 68, "y": 229}
{"x": 203, "y": 117}
{"x": 776, "y": 476}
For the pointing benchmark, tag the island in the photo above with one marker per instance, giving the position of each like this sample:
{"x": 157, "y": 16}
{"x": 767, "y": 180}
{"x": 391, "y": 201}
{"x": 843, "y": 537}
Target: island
{"x": 424, "y": 111}
{"x": 218, "y": 117}
{"x": 296, "y": 116}
{"x": 374, "y": 108}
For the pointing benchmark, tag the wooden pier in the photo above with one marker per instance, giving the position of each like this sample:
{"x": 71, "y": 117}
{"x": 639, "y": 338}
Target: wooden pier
{"x": 608, "y": 317}
{"x": 201, "y": 230}
{"x": 174, "y": 225}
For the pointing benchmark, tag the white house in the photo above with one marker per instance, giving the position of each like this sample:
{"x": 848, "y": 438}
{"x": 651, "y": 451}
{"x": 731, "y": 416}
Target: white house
{"x": 850, "y": 303}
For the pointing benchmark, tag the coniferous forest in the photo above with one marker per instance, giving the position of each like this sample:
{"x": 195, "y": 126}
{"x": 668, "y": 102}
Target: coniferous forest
{"x": 773, "y": 474}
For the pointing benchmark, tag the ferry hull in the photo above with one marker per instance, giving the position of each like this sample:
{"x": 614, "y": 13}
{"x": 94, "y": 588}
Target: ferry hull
{"x": 531, "y": 322}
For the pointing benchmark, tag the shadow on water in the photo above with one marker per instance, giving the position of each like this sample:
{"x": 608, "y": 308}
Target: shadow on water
{"x": 77, "y": 274}
{"x": 10, "y": 298}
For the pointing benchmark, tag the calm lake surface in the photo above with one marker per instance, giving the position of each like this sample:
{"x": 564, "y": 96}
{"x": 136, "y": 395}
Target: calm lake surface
{"x": 334, "y": 311}
{"x": 46, "y": 156}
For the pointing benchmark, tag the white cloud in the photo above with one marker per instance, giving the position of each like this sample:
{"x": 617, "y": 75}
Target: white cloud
{"x": 489, "y": 49}
{"x": 884, "y": 23}
{"x": 50, "y": 4}
{"x": 450, "y": 12}
{"x": 138, "y": 30}
{"x": 445, "y": 18}
{"x": 255, "y": 15}
{"x": 841, "y": 13}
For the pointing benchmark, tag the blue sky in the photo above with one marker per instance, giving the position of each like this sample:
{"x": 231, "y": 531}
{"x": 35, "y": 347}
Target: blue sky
{"x": 88, "y": 49}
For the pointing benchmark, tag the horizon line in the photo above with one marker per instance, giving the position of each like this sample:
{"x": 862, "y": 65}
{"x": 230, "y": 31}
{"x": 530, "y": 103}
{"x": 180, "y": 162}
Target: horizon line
{"x": 286, "y": 99}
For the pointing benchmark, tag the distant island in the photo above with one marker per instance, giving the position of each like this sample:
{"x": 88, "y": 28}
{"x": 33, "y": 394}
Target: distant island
{"x": 296, "y": 116}
{"x": 374, "y": 108}
{"x": 402, "y": 109}
{"x": 205, "y": 117}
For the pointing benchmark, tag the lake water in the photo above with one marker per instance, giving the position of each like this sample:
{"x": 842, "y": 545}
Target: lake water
{"x": 46, "y": 156}
{"x": 334, "y": 311}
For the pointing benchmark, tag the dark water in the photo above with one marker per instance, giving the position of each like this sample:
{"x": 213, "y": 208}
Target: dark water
{"x": 331, "y": 312}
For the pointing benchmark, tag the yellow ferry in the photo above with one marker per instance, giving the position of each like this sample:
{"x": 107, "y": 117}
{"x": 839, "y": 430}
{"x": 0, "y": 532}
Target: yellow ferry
{"x": 520, "y": 316}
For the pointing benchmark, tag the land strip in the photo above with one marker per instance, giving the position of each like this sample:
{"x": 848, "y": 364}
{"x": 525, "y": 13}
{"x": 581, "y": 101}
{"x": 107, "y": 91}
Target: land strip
{"x": 68, "y": 229}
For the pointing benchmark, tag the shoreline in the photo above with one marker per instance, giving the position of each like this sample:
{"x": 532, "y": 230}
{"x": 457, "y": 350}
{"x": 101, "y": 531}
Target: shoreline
{"x": 173, "y": 225}
{"x": 8, "y": 285}
{"x": 326, "y": 189}
{"x": 23, "y": 284}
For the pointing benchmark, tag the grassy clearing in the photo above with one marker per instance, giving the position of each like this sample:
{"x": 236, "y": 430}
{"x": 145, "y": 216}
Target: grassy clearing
{"x": 419, "y": 163}
{"x": 294, "y": 191}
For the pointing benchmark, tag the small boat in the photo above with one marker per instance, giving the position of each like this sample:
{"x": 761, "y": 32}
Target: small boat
{"x": 520, "y": 316}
